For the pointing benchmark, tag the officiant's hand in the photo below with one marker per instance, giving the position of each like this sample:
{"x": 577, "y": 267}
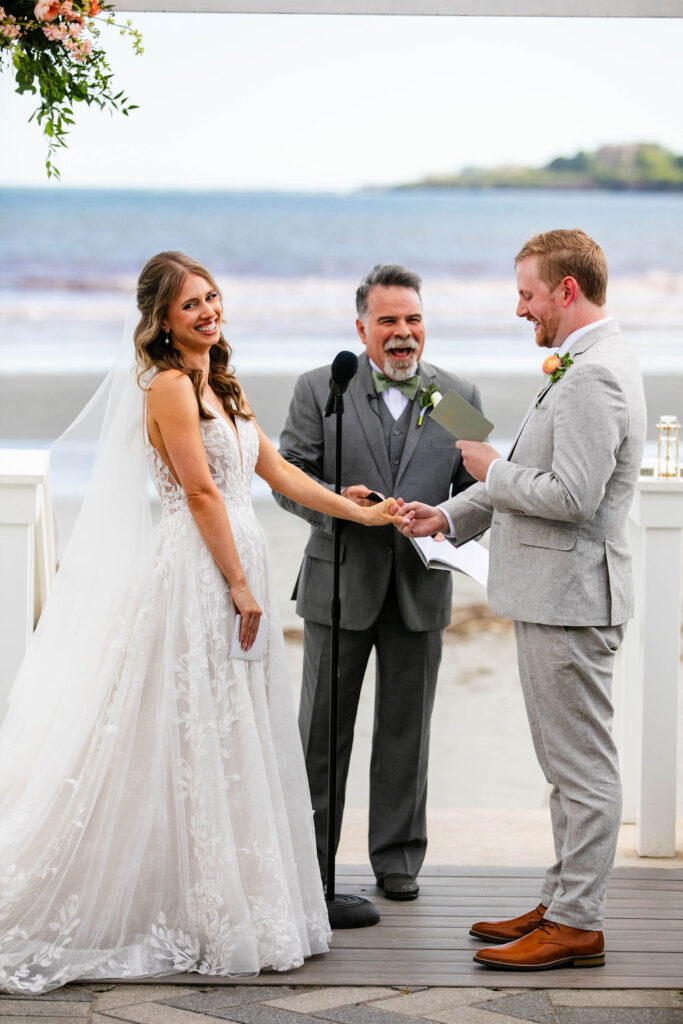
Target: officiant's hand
{"x": 358, "y": 493}
{"x": 418, "y": 520}
{"x": 250, "y": 610}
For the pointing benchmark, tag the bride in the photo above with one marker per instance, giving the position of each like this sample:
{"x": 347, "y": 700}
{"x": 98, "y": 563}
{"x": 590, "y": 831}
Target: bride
{"x": 154, "y": 810}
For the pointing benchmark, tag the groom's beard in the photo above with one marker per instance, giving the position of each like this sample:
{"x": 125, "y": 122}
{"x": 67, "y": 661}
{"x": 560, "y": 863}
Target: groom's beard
{"x": 399, "y": 370}
{"x": 548, "y": 327}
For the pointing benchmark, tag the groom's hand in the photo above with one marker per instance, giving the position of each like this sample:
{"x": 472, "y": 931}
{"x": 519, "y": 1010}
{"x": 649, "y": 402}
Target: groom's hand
{"x": 477, "y": 457}
{"x": 420, "y": 520}
{"x": 358, "y": 493}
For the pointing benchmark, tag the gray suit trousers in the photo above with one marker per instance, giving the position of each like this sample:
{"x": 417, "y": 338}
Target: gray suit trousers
{"x": 407, "y": 668}
{"x": 566, "y": 676}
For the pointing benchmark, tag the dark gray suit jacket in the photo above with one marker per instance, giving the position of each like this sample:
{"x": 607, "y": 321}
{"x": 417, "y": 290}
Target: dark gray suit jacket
{"x": 430, "y": 470}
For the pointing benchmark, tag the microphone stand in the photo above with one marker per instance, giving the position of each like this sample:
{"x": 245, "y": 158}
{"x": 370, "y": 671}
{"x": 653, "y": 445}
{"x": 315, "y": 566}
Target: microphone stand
{"x": 344, "y": 909}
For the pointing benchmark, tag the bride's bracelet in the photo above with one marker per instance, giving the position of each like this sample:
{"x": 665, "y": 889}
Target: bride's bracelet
{"x": 233, "y": 592}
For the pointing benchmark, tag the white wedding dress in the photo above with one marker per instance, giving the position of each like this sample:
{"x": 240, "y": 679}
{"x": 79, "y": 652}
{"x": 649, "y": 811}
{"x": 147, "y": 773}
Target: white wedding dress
{"x": 182, "y": 839}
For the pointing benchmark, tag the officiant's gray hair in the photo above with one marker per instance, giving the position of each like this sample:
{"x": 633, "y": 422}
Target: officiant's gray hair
{"x": 388, "y": 275}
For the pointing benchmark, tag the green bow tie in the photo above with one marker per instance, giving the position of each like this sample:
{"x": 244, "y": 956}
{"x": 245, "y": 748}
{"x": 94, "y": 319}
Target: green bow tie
{"x": 408, "y": 387}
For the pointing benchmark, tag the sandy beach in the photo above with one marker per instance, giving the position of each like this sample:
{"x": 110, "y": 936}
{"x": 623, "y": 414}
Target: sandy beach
{"x": 487, "y": 796}
{"x": 36, "y": 405}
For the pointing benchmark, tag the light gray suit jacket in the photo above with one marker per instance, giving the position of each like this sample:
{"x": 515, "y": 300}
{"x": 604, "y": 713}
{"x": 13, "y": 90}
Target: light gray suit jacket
{"x": 430, "y": 469}
{"x": 558, "y": 505}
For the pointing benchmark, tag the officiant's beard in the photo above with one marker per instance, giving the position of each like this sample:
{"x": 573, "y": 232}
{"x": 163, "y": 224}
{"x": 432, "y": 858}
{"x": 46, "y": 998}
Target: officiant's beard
{"x": 399, "y": 370}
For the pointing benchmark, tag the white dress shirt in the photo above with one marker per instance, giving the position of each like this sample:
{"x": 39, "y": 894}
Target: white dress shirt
{"x": 394, "y": 399}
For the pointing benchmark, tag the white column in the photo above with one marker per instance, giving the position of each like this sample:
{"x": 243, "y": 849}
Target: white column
{"x": 27, "y": 559}
{"x": 650, "y": 664}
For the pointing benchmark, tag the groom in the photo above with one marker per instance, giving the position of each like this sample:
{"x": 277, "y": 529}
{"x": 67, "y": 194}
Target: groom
{"x": 389, "y": 601}
{"x": 560, "y": 567}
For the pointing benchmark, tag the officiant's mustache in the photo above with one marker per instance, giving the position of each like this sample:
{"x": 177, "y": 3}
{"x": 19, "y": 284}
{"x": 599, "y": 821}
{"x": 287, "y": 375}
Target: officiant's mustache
{"x": 401, "y": 343}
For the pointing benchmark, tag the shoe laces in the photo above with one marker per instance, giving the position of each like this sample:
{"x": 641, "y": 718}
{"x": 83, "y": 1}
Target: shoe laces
{"x": 548, "y": 927}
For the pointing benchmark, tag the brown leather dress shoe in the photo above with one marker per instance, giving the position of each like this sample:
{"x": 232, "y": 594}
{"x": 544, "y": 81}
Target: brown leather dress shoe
{"x": 550, "y": 945}
{"x": 508, "y": 931}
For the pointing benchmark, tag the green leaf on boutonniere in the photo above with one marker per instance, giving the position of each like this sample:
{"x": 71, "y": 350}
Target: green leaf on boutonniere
{"x": 428, "y": 398}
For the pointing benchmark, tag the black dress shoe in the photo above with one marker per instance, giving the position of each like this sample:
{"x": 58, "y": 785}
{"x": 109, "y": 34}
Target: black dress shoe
{"x": 399, "y": 887}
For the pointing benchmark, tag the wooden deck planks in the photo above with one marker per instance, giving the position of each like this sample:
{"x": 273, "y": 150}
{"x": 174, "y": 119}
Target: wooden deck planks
{"x": 426, "y": 941}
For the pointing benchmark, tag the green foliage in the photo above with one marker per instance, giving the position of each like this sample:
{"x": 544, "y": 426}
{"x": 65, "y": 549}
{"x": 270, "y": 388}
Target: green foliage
{"x": 579, "y": 163}
{"x": 565, "y": 362}
{"x": 658, "y": 166}
{"x": 53, "y": 53}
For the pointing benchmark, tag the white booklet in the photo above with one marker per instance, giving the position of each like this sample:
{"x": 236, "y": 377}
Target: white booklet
{"x": 471, "y": 558}
{"x": 256, "y": 651}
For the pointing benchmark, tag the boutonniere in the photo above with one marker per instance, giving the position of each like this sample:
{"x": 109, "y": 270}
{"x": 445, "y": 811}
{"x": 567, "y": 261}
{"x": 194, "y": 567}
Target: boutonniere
{"x": 428, "y": 398}
{"x": 556, "y": 367}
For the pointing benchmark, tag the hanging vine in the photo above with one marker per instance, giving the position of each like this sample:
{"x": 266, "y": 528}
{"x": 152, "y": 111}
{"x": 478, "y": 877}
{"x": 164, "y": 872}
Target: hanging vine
{"x": 53, "y": 49}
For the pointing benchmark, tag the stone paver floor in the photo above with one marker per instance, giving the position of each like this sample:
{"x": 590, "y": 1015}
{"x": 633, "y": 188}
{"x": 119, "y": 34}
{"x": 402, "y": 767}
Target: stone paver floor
{"x": 292, "y": 1004}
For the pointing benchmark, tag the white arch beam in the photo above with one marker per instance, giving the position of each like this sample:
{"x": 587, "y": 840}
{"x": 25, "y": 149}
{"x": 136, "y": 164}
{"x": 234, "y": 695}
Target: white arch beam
{"x": 479, "y": 8}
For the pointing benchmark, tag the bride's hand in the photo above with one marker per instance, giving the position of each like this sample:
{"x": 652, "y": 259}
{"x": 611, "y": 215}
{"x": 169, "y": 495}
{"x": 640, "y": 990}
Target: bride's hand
{"x": 379, "y": 514}
{"x": 251, "y": 612}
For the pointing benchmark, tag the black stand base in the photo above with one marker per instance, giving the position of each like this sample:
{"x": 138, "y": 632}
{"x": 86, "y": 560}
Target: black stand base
{"x": 347, "y": 911}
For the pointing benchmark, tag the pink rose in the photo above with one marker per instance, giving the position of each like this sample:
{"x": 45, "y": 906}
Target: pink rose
{"x": 46, "y": 10}
{"x": 10, "y": 31}
{"x": 551, "y": 364}
{"x": 55, "y": 33}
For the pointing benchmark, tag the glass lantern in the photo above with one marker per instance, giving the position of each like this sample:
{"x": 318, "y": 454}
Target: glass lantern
{"x": 668, "y": 430}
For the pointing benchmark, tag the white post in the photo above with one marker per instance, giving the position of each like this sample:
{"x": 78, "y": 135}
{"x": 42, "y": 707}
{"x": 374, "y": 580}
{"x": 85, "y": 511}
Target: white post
{"x": 628, "y": 691}
{"x": 650, "y": 667}
{"x": 27, "y": 554}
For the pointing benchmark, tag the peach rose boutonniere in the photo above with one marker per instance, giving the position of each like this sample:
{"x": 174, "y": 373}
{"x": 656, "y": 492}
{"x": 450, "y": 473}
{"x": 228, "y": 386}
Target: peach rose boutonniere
{"x": 556, "y": 367}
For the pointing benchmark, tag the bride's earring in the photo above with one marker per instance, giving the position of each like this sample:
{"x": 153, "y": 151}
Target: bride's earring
{"x": 167, "y": 340}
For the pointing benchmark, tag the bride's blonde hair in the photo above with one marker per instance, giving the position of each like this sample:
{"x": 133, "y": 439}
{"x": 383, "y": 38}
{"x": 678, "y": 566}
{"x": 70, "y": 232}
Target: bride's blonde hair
{"x": 160, "y": 281}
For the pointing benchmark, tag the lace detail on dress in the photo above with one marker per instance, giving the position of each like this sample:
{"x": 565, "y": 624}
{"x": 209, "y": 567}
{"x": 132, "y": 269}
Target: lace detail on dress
{"x": 182, "y": 839}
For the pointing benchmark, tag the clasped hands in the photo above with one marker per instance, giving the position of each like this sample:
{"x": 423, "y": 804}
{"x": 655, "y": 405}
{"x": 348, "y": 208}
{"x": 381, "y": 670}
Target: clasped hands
{"x": 420, "y": 520}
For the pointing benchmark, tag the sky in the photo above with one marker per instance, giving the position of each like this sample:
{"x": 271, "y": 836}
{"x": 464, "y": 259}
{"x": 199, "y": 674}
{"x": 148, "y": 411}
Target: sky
{"x": 334, "y": 103}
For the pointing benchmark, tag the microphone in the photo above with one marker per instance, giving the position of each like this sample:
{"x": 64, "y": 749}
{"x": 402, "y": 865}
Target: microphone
{"x": 344, "y": 368}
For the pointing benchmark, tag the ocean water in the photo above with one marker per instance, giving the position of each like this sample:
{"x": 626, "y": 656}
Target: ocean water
{"x": 289, "y": 265}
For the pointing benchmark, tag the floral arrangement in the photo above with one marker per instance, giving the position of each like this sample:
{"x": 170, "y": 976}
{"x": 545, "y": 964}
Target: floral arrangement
{"x": 556, "y": 367}
{"x": 428, "y": 398}
{"x": 52, "y": 47}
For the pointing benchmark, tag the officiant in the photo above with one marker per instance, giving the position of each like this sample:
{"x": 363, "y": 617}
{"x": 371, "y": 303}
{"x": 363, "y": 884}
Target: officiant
{"x": 389, "y": 600}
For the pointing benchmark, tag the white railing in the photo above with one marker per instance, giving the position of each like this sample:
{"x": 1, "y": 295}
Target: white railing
{"x": 27, "y": 554}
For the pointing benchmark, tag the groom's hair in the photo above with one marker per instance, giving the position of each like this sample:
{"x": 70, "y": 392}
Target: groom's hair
{"x": 569, "y": 253}
{"x": 388, "y": 275}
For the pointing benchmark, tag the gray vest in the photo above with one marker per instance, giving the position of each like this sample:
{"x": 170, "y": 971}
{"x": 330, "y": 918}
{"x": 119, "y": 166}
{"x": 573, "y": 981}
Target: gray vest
{"x": 395, "y": 432}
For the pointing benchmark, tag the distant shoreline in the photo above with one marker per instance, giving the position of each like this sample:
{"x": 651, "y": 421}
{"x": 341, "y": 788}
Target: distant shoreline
{"x": 633, "y": 167}
{"x": 502, "y": 186}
